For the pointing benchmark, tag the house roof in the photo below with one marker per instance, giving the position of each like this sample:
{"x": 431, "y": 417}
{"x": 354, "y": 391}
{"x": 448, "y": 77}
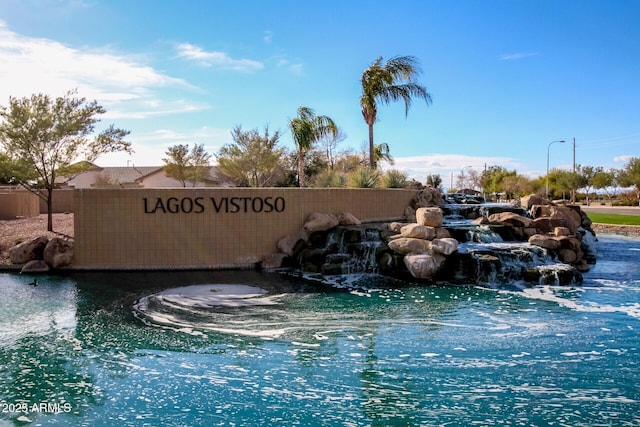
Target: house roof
{"x": 135, "y": 174}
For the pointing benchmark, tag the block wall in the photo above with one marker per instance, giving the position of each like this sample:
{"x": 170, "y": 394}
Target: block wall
{"x": 207, "y": 228}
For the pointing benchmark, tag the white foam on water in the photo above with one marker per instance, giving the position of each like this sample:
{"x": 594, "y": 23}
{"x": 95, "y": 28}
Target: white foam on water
{"x": 546, "y": 293}
{"x": 175, "y": 308}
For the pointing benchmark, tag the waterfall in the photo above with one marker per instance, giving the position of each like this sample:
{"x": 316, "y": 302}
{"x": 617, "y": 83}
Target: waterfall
{"x": 483, "y": 234}
{"x": 352, "y": 250}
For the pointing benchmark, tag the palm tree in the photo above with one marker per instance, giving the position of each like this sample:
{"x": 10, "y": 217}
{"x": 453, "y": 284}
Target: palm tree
{"x": 306, "y": 129}
{"x": 391, "y": 81}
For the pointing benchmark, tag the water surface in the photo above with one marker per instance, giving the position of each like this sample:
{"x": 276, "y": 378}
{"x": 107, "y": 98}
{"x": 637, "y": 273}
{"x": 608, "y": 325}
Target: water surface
{"x": 249, "y": 348}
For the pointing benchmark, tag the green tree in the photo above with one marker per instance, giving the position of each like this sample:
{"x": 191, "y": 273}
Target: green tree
{"x": 492, "y": 179}
{"x": 14, "y": 171}
{"x": 252, "y": 159}
{"x": 586, "y": 174}
{"x": 186, "y": 165}
{"x": 606, "y": 181}
{"x": 49, "y": 134}
{"x": 387, "y": 82}
{"x": 630, "y": 176}
{"x": 516, "y": 186}
{"x": 564, "y": 181}
{"x": 307, "y": 129}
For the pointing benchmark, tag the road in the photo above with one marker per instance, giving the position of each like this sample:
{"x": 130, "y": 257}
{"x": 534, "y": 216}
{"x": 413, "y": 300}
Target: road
{"x": 622, "y": 210}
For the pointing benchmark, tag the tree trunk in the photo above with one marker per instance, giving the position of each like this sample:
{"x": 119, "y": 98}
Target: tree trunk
{"x": 49, "y": 209}
{"x": 301, "y": 182}
{"x": 372, "y": 160}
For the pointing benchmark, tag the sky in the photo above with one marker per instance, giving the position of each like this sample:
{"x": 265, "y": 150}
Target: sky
{"x": 507, "y": 77}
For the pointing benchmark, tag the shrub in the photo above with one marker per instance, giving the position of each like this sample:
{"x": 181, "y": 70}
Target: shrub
{"x": 394, "y": 179}
{"x": 330, "y": 179}
{"x": 364, "y": 177}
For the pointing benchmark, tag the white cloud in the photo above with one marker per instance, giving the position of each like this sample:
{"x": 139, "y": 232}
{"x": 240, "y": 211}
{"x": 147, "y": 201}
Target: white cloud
{"x": 519, "y": 55}
{"x": 217, "y": 59}
{"x": 37, "y": 65}
{"x": 623, "y": 158}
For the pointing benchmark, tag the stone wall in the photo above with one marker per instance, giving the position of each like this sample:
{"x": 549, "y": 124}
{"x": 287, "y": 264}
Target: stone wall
{"x": 207, "y": 228}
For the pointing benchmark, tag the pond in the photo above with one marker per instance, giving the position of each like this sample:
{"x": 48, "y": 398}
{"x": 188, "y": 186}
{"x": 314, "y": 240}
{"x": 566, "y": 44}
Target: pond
{"x": 250, "y": 348}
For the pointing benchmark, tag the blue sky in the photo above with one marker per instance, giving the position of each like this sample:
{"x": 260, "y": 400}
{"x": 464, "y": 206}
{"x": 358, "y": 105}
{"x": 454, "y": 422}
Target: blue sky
{"x": 506, "y": 77}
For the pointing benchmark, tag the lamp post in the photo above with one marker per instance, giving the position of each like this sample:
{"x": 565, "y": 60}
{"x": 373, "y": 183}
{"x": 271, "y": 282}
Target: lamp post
{"x": 548, "y": 147}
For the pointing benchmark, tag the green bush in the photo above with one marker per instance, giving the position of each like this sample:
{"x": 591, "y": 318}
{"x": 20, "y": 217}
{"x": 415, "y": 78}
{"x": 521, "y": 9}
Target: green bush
{"x": 364, "y": 177}
{"x": 394, "y": 179}
{"x": 330, "y": 178}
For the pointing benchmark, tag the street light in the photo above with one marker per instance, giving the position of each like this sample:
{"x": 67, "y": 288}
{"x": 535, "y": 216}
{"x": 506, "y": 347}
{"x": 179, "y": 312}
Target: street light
{"x": 548, "y": 147}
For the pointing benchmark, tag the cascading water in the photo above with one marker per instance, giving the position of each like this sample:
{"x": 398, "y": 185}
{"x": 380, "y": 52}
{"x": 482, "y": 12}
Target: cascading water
{"x": 352, "y": 250}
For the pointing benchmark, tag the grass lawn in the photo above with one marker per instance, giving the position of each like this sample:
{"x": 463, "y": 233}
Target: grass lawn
{"x": 618, "y": 219}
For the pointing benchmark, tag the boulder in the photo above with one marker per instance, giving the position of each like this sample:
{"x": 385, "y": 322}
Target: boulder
{"x": 418, "y": 231}
{"x": 570, "y": 215}
{"x": 545, "y": 224}
{"x": 405, "y": 245}
{"x": 318, "y": 221}
{"x": 510, "y": 218}
{"x": 292, "y": 243}
{"x": 58, "y": 253}
{"x": 567, "y": 255}
{"x": 27, "y": 251}
{"x": 431, "y": 217}
{"x": 561, "y": 232}
{"x": 35, "y": 266}
{"x": 429, "y": 197}
{"x": 529, "y": 201}
{"x": 445, "y": 246}
{"x": 538, "y": 211}
{"x": 274, "y": 260}
{"x": 396, "y": 226}
{"x": 442, "y": 233}
{"x": 423, "y": 266}
{"x": 347, "y": 218}
{"x": 544, "y": 241}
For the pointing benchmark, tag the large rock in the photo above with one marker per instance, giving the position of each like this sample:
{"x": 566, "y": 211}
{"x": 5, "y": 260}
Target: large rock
{"x": 445, "y": 246}
{"x": 418, "y": 231}
{"x": 545, "y": 224}
{"x": 318, "y": 221}
{"x": 533, "y": 199}
{"x": 58, "y": 253}
{"x": 347, "y": 218}
{"x": 28, "y": 251}
{"x": 292, "y": 243}
{"x": 431, "y": 217}
{"x": 429, "y": 197}
{"x": 423, "y": 266}
{"x": 274, "y": 260}
{"x": 570, "y": 215}
{"x": 405, "y": 245}
{"x": 545, "y": 241}
{"x": 510, "y": 218}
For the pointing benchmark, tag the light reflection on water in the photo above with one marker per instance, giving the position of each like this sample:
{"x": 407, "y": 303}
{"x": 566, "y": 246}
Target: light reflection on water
{"x": 130, "y": 349}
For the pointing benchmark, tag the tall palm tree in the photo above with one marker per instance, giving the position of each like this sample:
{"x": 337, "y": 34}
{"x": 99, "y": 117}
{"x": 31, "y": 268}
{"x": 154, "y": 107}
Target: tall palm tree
{"x": 306, "y": 129}
{"x": 386, "y": 82}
